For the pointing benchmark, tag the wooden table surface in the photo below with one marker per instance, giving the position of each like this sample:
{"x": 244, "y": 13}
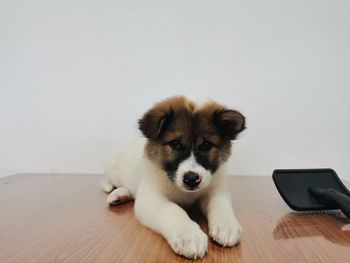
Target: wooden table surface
{"x": 65, "y": 218}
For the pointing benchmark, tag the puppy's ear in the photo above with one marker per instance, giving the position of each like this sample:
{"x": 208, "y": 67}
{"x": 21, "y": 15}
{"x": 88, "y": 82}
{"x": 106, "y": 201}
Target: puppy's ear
{"x": 229, "y": 123}
{"x": 153, "y": 123}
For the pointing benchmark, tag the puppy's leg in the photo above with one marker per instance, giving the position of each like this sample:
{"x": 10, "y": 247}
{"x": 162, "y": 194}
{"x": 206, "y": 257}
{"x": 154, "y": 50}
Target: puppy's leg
{"x": 111, "y": 178}
{"x": 224, "y": 227}
{"x": 167, "y": 218}
{"x": 118, "y": 196}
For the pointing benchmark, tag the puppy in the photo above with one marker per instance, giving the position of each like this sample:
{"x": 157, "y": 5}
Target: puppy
{"x": 181, "y": 160}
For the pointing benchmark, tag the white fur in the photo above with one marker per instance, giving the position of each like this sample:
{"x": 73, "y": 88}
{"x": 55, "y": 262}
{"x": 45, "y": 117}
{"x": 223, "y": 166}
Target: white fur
{"x": 107, "y": 186}
{"x": 119, "y": 195}
{"x": 158, "y": 201}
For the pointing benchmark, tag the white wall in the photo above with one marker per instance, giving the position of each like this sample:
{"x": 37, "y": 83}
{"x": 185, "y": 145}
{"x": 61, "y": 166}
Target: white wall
{"x": 75, "y": 76}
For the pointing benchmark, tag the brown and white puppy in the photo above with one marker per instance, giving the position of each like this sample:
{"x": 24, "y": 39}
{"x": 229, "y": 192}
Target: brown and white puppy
{"x": 181, "y": 160}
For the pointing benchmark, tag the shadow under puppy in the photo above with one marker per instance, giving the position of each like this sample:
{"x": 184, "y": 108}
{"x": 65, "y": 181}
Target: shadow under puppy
{"x": 180, "y": 161}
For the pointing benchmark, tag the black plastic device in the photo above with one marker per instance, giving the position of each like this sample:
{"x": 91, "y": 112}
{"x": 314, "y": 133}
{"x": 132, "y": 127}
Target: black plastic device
{"x": 312, "y": 189}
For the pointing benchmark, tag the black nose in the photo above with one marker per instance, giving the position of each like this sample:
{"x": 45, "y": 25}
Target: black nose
{"x": 191, "y": 179}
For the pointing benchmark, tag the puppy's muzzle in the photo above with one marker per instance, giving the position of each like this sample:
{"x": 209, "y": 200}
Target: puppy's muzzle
{"x": 191, "y": 180}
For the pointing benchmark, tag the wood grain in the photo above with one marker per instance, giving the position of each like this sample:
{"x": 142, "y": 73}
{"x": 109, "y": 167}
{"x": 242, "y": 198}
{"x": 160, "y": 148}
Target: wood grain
{"x": 65, "y": 218}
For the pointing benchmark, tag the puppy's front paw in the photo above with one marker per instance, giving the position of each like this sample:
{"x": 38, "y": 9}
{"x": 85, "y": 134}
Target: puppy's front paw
{"x": 189, "y": 241}
{"x": 225, "y": 232}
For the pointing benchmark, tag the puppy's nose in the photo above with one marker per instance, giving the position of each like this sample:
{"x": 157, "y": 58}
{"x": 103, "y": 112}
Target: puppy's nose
{"x": 191, "y": 179}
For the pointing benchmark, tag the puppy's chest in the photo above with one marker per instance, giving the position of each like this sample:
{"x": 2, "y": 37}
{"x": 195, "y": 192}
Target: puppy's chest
{"x": 184, "y": 199}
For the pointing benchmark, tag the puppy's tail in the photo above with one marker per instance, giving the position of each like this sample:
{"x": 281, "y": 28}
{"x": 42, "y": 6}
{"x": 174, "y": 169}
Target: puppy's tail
{"x": 107, "y": 185}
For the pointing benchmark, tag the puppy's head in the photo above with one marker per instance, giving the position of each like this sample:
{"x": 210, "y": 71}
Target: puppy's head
{"x": 188, "y": 142}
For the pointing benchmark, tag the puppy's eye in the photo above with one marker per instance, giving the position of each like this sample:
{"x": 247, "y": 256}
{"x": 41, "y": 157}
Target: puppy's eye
{"x": 176, "y": 145}
{"x": 206, "y": 145}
